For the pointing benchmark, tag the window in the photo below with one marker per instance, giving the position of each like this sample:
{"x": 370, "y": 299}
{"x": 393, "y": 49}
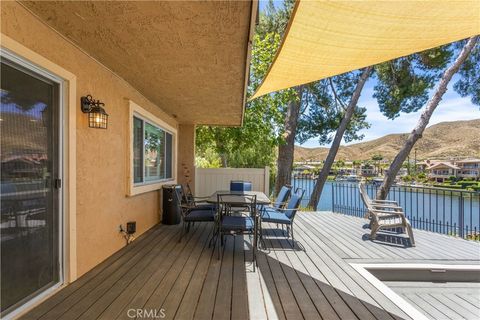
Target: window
{"x": 152, "y": 152}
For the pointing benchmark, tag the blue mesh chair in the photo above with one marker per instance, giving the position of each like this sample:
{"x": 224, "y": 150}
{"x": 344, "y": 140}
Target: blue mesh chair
{"x": 282, "y": 197}
{"x": 284, "y": 216}
{"x": 239, "y": 185}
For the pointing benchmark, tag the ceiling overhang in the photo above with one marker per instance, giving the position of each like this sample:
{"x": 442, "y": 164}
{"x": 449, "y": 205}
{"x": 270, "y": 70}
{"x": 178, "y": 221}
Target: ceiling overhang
{"x": 189, "y": 58}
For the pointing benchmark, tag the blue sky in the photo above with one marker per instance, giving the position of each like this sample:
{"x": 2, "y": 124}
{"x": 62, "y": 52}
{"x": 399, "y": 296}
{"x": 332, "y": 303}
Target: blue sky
{"x": 451, "y": 108}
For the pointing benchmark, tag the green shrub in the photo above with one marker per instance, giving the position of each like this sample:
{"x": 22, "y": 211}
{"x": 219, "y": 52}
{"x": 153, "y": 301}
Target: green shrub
{"x": 465, "y": 184}
{"x": 448, "y": 186}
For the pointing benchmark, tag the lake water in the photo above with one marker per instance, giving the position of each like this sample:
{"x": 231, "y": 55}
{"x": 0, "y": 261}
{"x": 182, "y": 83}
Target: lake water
{"x": 434, "y": 209}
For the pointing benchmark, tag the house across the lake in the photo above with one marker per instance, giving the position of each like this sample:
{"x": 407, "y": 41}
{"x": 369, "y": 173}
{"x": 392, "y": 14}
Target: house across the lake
{"x": 440, "y": 171}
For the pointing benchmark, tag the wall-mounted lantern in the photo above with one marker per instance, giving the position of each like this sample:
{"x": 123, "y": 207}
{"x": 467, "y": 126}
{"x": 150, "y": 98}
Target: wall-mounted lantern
{"x": 97, "y": 117}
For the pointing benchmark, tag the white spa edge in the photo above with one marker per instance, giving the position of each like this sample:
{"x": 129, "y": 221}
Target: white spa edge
{"x": 392, "y": 295}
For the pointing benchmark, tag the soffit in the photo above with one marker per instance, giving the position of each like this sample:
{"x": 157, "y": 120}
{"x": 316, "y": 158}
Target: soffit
{"x": 189, "y": 58}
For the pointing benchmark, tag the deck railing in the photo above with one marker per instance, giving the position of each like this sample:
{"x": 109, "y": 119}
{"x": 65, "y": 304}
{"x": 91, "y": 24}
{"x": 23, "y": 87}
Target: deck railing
{"x": 446, "y": 211}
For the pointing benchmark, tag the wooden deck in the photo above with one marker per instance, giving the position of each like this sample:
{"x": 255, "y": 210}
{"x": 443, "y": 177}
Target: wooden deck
{"x": 185, "y": 280}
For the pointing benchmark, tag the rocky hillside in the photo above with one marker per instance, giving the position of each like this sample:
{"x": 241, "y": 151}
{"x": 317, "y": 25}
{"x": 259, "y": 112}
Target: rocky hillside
{"x": 458, "y": 139}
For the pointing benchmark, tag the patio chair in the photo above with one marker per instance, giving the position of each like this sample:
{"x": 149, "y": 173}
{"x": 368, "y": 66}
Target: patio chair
{"x": 190, "y": 214}
{"x": 385, "y": 214}
{"x": 284, "y": 216}
{"x": 229, "y": 224}
{"x": 280, "y": 201}
{"x": 378, "y": 204}
{"x": 240, "y": 185}
{"x": 197, "y": 203}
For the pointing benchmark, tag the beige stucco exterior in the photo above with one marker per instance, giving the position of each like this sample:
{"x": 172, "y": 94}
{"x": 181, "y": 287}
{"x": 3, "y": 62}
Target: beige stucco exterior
{"x": 101, "y": 164}
{"x": 198, "y": 80}
{"x": 186, "y": 155}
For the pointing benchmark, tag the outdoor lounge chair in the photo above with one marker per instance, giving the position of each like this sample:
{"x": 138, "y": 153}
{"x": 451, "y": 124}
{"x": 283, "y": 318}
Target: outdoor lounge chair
{"x": 191, "y": 214}
{"x": 385, "y": 214}
{"x": 378, "y": 204}
{"x": 284, "y": 216}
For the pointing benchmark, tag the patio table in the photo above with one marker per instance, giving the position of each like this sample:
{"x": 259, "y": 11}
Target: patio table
{"x": 262, "y": 198}
{"x": 233, "y": 201}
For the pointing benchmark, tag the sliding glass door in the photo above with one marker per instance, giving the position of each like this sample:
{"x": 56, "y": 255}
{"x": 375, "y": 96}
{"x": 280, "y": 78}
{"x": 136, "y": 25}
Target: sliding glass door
{"x": 30, "y": 184}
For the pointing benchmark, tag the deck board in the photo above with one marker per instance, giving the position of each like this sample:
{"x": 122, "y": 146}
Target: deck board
{"x": 310, "y": 280}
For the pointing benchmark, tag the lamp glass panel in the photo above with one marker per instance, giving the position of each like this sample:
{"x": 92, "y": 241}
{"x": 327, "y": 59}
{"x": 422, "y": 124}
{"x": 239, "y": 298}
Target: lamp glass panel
{"x": 97, "y": 120}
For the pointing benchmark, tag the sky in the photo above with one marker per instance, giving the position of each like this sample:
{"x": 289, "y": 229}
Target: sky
{"x": 452, "y": 108}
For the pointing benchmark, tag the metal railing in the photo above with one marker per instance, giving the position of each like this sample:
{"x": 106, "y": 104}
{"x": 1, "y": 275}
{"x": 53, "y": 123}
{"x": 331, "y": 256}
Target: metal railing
{"x": 446, "y": 211}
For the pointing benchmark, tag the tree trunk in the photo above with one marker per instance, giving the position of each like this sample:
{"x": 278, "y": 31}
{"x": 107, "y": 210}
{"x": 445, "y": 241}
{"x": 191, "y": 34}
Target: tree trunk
{"x": 424, "y": 119}
{"x": 322, "y": 177}
{"x": 223, "y": 160}
{"x": 286, "y": 150}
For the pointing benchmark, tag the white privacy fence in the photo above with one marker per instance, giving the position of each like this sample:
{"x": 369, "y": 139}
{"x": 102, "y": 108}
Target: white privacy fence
{"x": 207, "y": 181}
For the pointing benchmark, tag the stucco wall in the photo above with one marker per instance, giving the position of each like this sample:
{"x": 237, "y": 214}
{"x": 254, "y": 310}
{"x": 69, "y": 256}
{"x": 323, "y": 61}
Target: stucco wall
{"x": 101, "y": 157}
{"x": 186, "y": 155}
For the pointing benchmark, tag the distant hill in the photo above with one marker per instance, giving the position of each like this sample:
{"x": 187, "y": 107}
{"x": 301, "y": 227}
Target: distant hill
{"x": 457, "y": 139}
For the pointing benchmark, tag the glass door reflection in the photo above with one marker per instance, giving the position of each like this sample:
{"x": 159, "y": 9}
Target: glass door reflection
{"x": 29, "y": 200}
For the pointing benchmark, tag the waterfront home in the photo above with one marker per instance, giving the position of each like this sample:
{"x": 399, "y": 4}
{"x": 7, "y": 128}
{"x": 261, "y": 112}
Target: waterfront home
{"x": 469, "y": 168}
{"x": 441, "y": 171}
{"x": 368, "y": 170}
{"x": 304, "y": 172}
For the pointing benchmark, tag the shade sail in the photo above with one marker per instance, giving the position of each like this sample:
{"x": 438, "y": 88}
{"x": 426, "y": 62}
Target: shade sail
{"x": 327, "y": 38}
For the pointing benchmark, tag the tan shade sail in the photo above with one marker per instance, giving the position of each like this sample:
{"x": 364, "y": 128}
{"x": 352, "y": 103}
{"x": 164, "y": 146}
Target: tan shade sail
{"x": 327, "y": 38}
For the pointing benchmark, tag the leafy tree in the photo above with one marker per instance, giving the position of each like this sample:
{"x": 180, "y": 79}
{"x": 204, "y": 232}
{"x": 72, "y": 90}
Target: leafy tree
{"x": 347, "y": 115}
{"x": 270, "y": 121}
{"x": 253, "y": 144}
{"x": 377, "y": 158}
{"x": 402, "y": 86}
{"x": 465, "y": 86}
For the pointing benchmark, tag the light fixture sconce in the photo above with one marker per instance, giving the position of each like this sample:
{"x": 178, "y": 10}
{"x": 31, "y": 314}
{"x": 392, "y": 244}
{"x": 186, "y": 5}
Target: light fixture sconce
{"x": 97, "y": 117}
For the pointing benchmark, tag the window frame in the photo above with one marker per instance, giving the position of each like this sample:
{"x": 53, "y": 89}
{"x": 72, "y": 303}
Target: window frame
{"x": 135, "y": 188}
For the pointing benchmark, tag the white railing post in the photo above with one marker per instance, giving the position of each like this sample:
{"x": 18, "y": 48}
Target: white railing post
{"x": 266, "y": 184}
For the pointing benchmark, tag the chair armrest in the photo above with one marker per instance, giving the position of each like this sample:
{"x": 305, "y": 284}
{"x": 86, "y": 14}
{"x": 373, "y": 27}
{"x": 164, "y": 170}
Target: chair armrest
{"x": 205, "y": 197}
{"x": 385, "y": 201}
{"x": 392, "y": 213}
{"x": 386, "y": 206}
